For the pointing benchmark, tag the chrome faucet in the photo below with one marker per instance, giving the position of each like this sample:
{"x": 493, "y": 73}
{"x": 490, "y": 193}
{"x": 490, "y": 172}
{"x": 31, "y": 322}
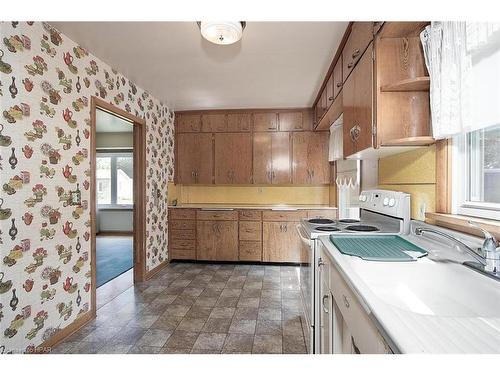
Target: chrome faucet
{"x": 487, "y": 262}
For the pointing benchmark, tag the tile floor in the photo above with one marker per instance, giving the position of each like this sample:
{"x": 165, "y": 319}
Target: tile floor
{"x": 200, "y": 308}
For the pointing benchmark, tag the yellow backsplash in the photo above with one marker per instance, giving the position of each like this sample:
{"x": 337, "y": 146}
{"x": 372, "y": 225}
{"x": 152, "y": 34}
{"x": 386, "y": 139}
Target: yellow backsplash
{"x": 413, "y": 172}
{"x": 249, "y": 194}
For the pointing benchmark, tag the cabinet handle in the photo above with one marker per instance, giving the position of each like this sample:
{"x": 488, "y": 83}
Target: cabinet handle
{"x": 196, "y": 176}
{"x": 193, "y": 176}
{"x": 325, "y": 297}
{"x": 330, "y": 98}
{"x": 346, "y": 301}
{"x": 312, "y": 173}
{"x": 355, "y": 53}
{"x": 320, "y": 262}
{"x": 285, "y": 227}
{"x": 273, "y": 176}
{"x": 339, "y": 84}
{"x": 281, "y": 227}
{"x": 350, "y": 65}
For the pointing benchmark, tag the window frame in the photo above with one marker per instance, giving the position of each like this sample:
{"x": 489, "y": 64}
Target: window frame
{"x": 114, "y": 154}
{"x": 461, "y": 205}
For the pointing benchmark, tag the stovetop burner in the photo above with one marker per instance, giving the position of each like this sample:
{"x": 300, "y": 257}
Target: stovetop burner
{"x": 327, "y": 229}
{"x": 362, "y": 228}
{"x": 320, "y": 221}
{"x": 348, "y": 221}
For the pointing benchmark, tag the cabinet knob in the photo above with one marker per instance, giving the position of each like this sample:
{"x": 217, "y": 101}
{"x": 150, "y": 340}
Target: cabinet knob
{"x": 355, "y": 53}
{"x": 330, "y": 98}
{"x": 350, "y": 65}
{"x": 325, "y": 297}
{"x": 346, "y": 301}
{"x": 339, "y": 84}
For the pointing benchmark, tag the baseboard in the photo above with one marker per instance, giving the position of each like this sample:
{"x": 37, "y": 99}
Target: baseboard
{"x": 155, "y": 270}
{"x": 114, "y": 233}
{"x": 46, "y": 346}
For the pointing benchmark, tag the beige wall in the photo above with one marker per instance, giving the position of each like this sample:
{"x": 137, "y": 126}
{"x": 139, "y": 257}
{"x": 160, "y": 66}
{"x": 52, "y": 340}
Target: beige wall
{"x": 412, "y": 172}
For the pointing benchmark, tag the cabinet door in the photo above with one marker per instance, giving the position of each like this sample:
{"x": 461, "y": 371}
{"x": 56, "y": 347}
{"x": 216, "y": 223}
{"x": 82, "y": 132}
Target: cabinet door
{"x": 206, "y": 233}
{"x": 266, "y": 121}
{"x": 337, "y": 77}
{"x": 310, "y": 158}
{"x": 262, "y": 158}
{"x": 213, "y": 123}
{"x": 239, "y": 122}
{"x": 358, "y": 103}
{"x": 194, "y": 158}
{"x": 233, "y": 158}
{"x": 326, "y": 307}
{"x": 187, "y": 123}
{"x": 226, "y": 243}
{"x": 291, "y": 121}
{"x": 281, "y": 147}
{"x": 360, "y": 37}
{"x": 281, "y": 242}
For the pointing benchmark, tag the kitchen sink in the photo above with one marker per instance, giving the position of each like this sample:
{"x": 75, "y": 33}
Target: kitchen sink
{"x": 428, "y": 287}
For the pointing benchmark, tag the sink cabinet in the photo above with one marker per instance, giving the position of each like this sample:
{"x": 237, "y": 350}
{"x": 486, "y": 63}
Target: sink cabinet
{"x": 217, "y": 240}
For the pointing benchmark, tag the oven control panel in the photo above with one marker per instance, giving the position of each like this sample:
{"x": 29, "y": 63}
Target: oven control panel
{"x": 388, "y": 202}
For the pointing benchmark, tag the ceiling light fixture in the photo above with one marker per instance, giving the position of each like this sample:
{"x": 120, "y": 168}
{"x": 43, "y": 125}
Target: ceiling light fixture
{"x": 225, "y": 32}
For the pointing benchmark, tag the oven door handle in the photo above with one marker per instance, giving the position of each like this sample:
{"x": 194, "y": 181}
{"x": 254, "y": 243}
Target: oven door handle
{"x": 303, "y": 237}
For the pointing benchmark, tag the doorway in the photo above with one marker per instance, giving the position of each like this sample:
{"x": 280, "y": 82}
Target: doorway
{"x": 117, "y": 201}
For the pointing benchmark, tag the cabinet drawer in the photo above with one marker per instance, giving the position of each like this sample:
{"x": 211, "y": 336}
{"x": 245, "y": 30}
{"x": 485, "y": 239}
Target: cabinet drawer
{"x": 188, "y": 123}
{"x": 180, "y": 244}
{"x": 183, "y": 234}
{"x": 367, "y": 338}
{"x": 250, "y": 231}
{"x": 217, "y": 215}
{"x": 322, "y": 214}
{"x": 182, "y": 214}
{"x": 283, "y": 215}
{"x": 183, "y": 225}
{"x": 291, "y": 121}
{"x": 250, "y": 250}
{"x": 252, "y": 215}
{"x": 182, "y": 254}
{"x": 360, "y": 37}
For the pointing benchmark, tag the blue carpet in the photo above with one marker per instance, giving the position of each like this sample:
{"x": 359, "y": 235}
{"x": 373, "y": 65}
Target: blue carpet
{"x": 114, "y": 256}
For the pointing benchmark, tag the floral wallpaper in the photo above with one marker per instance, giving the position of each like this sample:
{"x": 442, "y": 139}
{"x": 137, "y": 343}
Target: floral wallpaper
{"x": 46, "y": 82}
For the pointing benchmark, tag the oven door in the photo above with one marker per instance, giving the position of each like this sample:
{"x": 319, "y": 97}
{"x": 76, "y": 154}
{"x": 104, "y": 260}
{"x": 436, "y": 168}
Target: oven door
{"x": 307, "y": 277}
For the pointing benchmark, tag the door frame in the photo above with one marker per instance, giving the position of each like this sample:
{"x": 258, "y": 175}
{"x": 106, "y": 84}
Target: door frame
{"x": 139, "y": 222}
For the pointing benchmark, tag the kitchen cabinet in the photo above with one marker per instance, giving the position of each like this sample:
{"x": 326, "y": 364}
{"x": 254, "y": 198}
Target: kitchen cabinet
{"x": 280, "y": 242}
{"x": 271, "y": 158}
{"x": 338, "y": 82}
{"x": 182, "y": 234}
{"x": 213, "y": 123}
{"x": 358, "y": 107}
{"x": 233, "y": 158}
{"x": 239, "y": 122}
{"x": 360, "y": 37}
{"x": 265, "y": 121}
{"x": 188, "y": 123}
{"x": 194, "y": 158}
{"x": 310, "y": 158}
{"x": 217, "y": 240}
{"x": 293, "y": 121}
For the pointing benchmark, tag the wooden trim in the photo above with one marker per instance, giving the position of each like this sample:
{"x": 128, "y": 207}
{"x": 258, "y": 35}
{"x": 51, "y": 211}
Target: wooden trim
{"x": 459, "y": 222}
{"x": 410, "y": 141}
{"x": 108, "y": 107}
{"x": 155, "y": 270}
{"x": 343, "y": 41}
{"x": 241, "y": 110}
{"x": 47, "y": 345}
{"x": 443, "y": 176}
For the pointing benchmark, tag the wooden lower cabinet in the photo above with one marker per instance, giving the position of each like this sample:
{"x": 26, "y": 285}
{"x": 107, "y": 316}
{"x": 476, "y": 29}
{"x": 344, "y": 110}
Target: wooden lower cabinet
{"x": 280, "y": 242}
{"x": 251, "y": 251}
{"x": 217, "y": 240}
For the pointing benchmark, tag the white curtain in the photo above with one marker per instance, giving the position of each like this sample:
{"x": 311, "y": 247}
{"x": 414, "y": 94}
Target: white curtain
{"x": 463, "y": 60}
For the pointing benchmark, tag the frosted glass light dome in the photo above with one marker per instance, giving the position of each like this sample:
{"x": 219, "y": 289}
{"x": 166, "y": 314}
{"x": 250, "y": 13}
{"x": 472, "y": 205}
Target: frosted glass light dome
{"x": 222, "y": 32}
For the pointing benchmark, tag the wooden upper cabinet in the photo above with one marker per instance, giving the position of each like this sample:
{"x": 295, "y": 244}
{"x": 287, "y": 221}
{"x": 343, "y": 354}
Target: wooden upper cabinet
{"x": 337, "y": 77}
{"x": 358, "y": 106}
{"x": 330, "y": 95}
{"x": 310, "y": 158}
{"x": 213, "y": 123}
{"x": 265, "y": 121}
{"x": 280, "y": 242}
{"x": 233, "y": 158}
{"x": 291, "y": 121}
{"x": 217, "y": 240}
{"x": 239, "y": 122}
{"x": 271, "y": 158}
{"x": 194, "y": 158}
{"x": 188, "y": 123}
{"x": 360, "y": 37}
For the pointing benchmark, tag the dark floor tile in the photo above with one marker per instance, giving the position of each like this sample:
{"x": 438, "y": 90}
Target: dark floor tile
{"x": 253, "y": 293}
{"x": 192, "y": 292}
{"x": 223, "y": 312}
{"x": 230, "y": 292}
{"x": 227, "y": 302}
{"x": 210, "y": 341}
{"x": 172, "y": 350}
{"x": 184, "y": 300}
{"x": 128, "y": 336}
{"x": 292, "y": 327}
{"x": 268, "y": 327}
{"x": 246, "y": 313}
{"x": 199, "y": 312}
{"x": 246, "y": 327}
{"x": 248, "y": 302}
{"x": 115, "y": 349}
{"x": 237, "y": 343}
{"x": 86, "y": 348}
{"x": 294, "y": 345}
{"x": 182, "y": 340}
{"x": 269, "y": 314}
{"x": 176, "y": 310}
{"x": 191, "y": 324}
{"x": 144, "y": 350}
{"x": 267, "y": 344}
{"x": 209, "y": 292}
{"x": 216, "y": 325}
{"x": 206, "y": 301}
{"x": 154, "y": 337}
{"x": 167, "y": 322}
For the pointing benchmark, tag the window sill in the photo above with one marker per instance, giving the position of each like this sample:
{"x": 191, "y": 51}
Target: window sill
{"x": 115, "y": 208}
{"x": 459, "y": 222}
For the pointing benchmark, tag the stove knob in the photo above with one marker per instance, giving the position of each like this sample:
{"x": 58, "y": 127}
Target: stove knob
{"x": 362, "y": 198}
{"x": 386, "y": 201}
{"x": 392, "y": 202}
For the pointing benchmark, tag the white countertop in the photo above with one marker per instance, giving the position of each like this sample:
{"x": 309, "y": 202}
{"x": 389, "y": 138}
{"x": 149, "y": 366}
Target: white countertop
{"x": 433, "y": 305}
{"x": 256, "y": 206}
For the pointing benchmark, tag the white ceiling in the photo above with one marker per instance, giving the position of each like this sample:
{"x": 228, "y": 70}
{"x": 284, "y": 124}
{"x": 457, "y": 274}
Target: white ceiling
{"x": 108, "y": 123}
{"x": 276, "y": 64}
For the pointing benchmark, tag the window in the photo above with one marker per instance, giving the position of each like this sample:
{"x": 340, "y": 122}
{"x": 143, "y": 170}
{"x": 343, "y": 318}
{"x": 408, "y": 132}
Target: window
{"x": 477, "y": 171}
{"x": 114, "y": 179}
